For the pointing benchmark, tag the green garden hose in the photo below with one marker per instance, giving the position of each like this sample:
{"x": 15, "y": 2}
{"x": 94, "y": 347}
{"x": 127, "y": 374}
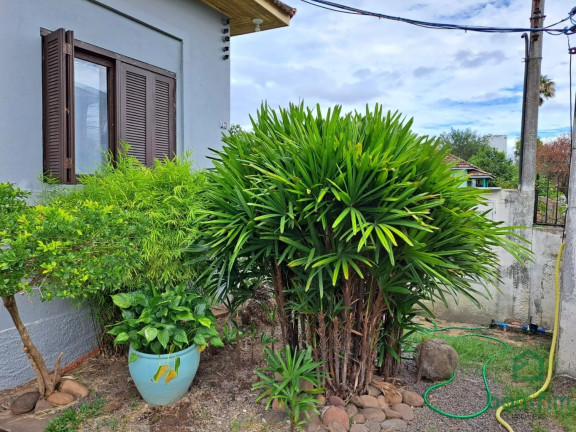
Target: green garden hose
{"x": 488, "y": 393}
{"x": 484, "y": 367}
{"x": 486, "y": 386}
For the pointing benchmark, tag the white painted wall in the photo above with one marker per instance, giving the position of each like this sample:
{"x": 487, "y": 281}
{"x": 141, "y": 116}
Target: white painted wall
{"x": 183, "y": 36}
{"x": 524, "y": 291}
{"x": 499, "y": 142}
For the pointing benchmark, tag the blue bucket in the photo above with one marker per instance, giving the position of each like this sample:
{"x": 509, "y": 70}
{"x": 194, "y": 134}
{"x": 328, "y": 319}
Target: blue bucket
{"x": 161, "y": 392}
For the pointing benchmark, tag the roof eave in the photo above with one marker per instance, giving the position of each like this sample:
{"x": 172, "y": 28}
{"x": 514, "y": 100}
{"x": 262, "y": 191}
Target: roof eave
{"x": 274, "y": 13}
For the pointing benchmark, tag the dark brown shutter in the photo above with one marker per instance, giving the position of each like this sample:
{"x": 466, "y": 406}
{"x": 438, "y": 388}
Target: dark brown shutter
{"x": 58, "y": 91}
{"x": 133, "y": 102}
{"x": 164, "y": 117}
{"x": 147, "y": 113}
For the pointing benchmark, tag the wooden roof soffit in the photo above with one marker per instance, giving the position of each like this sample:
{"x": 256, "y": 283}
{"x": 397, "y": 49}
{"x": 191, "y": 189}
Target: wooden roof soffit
{"x": 274, "y": 14}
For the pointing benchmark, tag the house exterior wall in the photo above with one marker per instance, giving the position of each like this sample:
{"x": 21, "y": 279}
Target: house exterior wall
{"x": 54, "y": 327}
{"x": 525, "y": 291}
{"x": 183, "y": 36}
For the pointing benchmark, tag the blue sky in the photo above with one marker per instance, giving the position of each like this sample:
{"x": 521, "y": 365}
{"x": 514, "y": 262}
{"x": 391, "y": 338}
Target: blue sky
{"x": 441, "y": 78}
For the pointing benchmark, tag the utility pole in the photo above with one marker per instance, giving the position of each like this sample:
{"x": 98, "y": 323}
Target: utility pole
{"x": 532, "y": 95}
{"x": 523, "y": 213}
{"x": 566, "y": 356}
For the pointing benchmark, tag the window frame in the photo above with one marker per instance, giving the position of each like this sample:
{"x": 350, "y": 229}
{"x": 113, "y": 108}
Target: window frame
{"x": 115, "y": 64}
{"x": 110, "y": 65}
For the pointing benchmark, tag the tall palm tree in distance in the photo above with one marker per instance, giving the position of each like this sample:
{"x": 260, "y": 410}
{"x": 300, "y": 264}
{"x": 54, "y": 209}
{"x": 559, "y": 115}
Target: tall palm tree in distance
{"x": 547, "y": 88}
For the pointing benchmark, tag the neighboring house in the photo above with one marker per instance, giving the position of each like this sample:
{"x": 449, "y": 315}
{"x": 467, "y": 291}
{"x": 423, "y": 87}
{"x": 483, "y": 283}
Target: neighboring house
{"x": 77, "y": 77}
{"x": 476, "y": 177}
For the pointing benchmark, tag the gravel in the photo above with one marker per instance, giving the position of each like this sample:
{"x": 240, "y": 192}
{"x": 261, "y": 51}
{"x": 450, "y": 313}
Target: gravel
{"x": 464, "y": 395}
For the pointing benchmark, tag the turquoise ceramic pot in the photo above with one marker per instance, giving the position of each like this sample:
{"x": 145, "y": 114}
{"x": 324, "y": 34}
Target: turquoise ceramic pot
{"x": 161, "y": 392}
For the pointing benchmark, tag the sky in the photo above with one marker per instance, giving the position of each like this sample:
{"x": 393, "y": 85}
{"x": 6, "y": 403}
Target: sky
{"x": 441, "y": 78}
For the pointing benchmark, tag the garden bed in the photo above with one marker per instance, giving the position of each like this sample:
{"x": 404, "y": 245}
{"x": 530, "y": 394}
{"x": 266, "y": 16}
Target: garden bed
{"x": 221, "y": 398}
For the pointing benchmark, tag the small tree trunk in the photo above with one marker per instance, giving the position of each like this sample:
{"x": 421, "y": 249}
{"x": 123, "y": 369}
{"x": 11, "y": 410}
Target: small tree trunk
{"x": 390, "y": 365}
{"x": 45, "y": 380}
{"x": 288, "y": 323}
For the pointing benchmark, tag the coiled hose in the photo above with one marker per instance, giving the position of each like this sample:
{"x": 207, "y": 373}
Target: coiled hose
{"x": 484, "y": 367}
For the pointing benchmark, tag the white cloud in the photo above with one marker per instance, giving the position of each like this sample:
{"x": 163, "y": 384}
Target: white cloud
{"x": 442, "y": 78}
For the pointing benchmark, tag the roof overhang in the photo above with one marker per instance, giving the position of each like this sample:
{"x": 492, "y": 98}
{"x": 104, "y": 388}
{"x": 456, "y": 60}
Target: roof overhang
{"x": 274, "y": 14}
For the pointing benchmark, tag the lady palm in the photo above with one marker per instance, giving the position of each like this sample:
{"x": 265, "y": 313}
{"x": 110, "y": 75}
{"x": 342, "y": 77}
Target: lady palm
{"x": 358, "y": 221}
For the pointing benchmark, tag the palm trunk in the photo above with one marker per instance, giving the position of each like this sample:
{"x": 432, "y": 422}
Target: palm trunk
{"x": 45, "y": 380}
{"x": 288, "y": 323}
{"x": 390, "y": 365}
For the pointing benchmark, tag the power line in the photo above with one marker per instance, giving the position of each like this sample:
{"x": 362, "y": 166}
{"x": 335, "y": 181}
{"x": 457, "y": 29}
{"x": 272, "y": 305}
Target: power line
{"x": 330, "y": 9}
{"x": 336, "y": 7}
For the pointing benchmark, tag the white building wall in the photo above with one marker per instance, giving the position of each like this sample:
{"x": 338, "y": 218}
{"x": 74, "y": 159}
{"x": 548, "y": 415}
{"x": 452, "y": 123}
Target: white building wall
{"x": 525, "y": 291}
{"x": 499, "y": 142}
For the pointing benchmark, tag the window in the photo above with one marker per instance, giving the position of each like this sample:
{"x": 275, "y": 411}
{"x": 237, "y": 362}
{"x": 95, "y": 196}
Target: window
{"x": 94, "y": 98}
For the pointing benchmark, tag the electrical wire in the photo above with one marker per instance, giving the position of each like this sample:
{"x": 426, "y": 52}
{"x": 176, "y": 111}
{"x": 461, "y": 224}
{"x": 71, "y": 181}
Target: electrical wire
{"x": 559, "y": 22}
{"x": 336, "y": 7}
{"x": 327, "y": 8}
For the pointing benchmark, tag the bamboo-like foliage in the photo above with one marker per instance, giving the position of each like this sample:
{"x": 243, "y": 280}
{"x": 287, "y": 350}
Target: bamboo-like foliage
{"x": 358, "y": 221}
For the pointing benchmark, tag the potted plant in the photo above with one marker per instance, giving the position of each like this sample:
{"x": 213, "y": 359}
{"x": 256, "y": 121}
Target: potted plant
{"x": 167, "y": 329}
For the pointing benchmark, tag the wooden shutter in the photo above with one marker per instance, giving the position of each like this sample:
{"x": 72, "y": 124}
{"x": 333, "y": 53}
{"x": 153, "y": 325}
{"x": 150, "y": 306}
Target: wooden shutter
{"x": 58, "y": 92}
{"x": 147, "y": 118}
{"x": 164, "y": 117}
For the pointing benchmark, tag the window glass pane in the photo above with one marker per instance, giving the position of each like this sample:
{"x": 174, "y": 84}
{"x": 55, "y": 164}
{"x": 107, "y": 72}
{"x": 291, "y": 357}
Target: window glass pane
{"x": 91, "y": 115}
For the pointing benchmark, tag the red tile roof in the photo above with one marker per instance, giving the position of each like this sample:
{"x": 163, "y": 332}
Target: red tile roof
{"x": 471, "y": 170}
{"x": 284, "y": 7}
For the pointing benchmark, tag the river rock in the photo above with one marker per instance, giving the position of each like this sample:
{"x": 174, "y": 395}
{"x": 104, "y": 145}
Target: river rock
{"x": 43, "y": 405}
{"x": 369, "y": 402}
{"x": 25, "y": 402}
{"x": 74, "y": 388}
{"x": 313, "y": 422}
{"x": 278, "y": 405}
{"x": 373, "y": 414}
{"x": 391, "y": 414}
{"x": 336, "y": 427}
{"x": 357, "y": 401}
{"x": 336, "y": 401}
{"x": 406, "y": 411}
{"x": 372, "y": 426}
{"x": 358, "y": 428}
{"x": 382, "y": 401}
{"x": 435, "y": 359}
{"x": 306, "y": 385}
{"x": 351, "y": 409}
{"x": 358, "y": 419}
{"x": 335, "y": 414}
{"x": 373, "y": 391}
{"x": 412, "y": 399}
{"x": 60, "y": 399}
